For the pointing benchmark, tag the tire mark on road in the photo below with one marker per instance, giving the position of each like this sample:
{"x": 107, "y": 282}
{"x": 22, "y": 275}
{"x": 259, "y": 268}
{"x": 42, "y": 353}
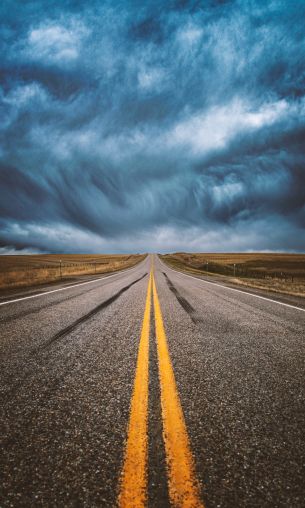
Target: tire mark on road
{"x": 65, "y": 331}
{"x": 183, "y": 301}
{"x": 5, "y": 395}
{"x": 28, "y": 312}
{"x": 242, "y": 306}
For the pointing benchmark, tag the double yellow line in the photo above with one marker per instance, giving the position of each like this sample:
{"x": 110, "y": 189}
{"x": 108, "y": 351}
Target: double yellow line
{"x": 182, "y": 483}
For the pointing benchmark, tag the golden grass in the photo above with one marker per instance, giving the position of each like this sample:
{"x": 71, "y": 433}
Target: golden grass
{"x": 281, "y": 273}
{"x": 19, "y": 271}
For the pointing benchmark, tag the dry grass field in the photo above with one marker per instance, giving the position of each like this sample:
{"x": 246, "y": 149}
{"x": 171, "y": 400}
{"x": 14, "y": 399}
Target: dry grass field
{"x": 282, "y": 273}
{"x": 18, "y": 271}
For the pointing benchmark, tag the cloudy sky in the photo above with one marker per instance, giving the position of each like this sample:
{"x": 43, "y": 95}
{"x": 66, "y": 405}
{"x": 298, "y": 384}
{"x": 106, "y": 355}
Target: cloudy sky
{"x": 152, "y": 125}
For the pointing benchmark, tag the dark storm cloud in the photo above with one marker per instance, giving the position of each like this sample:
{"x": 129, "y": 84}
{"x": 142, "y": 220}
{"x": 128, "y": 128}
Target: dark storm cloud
{"x": 152, "y": 125}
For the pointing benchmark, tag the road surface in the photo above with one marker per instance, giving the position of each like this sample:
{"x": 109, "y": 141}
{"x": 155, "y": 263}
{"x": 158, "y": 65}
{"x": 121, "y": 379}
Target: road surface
{"x": 151, "y": 388}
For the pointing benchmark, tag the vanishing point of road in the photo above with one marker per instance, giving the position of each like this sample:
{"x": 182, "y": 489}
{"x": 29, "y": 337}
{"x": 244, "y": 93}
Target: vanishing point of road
{"x": 154, "y": 388}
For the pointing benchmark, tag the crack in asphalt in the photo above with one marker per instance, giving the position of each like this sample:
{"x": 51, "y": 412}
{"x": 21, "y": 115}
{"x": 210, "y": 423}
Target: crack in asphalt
{"x": 65, "y": 331}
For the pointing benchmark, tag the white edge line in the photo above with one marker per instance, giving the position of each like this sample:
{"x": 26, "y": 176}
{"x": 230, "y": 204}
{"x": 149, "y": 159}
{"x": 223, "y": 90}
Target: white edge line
{"x": 233, "y": 289}
{"x": 66, "y": 288}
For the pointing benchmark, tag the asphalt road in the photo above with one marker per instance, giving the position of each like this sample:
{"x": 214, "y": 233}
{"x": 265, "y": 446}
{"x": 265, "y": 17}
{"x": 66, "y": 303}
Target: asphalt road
{"x": 211, "y": 406}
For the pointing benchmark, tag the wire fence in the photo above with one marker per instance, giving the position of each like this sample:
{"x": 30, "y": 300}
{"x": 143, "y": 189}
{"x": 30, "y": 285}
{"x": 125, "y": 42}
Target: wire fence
{"x": 23, "y": 275}
{"x": 241, "y": 271}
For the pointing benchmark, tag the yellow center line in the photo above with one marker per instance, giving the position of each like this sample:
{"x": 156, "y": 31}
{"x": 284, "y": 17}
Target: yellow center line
{"x": 133, "y": 488}
{"x": 182, "y": 481}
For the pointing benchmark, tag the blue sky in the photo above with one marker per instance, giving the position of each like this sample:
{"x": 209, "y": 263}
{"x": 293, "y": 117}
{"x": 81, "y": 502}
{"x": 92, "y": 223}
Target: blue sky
{"x": 152, "y": 126}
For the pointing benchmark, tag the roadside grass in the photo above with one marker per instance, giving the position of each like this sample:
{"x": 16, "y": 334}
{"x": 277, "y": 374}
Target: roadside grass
{"x": 30, "y": 270}
{"x": 281, "y": 273}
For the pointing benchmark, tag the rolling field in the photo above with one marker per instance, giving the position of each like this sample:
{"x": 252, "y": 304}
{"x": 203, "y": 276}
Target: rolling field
{"x": 20, "y": 271}
{"x": 282, "y": 273}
